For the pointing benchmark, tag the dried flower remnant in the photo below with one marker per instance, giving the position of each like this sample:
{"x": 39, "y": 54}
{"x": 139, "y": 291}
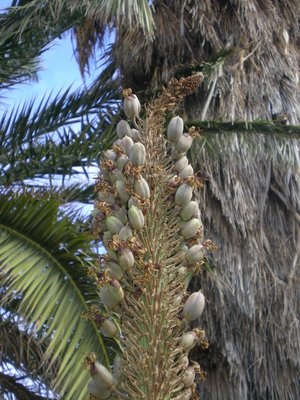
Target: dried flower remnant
{"x": 152, "y": 231}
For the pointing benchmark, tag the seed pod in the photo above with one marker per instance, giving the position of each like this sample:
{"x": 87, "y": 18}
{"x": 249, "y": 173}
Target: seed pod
{"x": 127, "y": 143}
{"x": 125, "y": 233}
{"x": 115, "y": 175}
{"x": 186, "y": 172}
{"x": 184, "y": 143}
{"x": 121, "y": 214}
{"x": 188, "y": 377}
{"x": 123, "y": 194}
{"x": 175, "y": 129}
{"x": 180, "y": 164}
{"x": 112, "y": 255}
{"x": 109, "y": 328}
{"x": 183, "y": 195}
{"x": 106, "y": 197}
{"x": 110, "y": 155}
{"x": 117, "y": 369}
{"x": 126, "y": 259}
{"x": 114, "y": 225}
{"x": 121, "y": 162}
{"x": 132, "y": 106}
{"x": 188, "y": 340}
{"x": 111, "y": 294}
{"x": 123, "y": 129}
{"x": 189, "y": 211}
{"x": 136, "y": 218}
{"x": 194, "y": 306}
{"x": 137, "y": 154}
{"x": 96, "y": 391}
{"x": 190, "y": 228}
{"x": 134, "y": 134}
{"x": 195, "y": 253}
{"x": 107, "y": 236}
{"x": 102, "y": 376}
{"x": 115, "y": 271}
{"x": 141, "y": 188}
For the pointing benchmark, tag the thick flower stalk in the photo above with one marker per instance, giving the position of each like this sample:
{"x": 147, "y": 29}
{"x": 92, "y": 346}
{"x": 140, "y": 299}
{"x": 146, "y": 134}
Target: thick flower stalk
{"x": 151, "y": 228}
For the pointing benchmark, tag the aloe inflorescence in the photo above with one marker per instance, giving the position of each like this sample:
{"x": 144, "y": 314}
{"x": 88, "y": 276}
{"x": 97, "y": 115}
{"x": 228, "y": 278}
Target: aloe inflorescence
{"x": 150, "y": 225}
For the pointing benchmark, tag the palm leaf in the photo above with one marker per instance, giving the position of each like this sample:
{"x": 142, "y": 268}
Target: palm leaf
{"x": 41, "y": 261}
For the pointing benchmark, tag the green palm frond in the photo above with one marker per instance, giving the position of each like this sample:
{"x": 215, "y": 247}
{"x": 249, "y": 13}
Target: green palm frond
{"x": 44, "y": 260}
{"x": 47, "y": 140}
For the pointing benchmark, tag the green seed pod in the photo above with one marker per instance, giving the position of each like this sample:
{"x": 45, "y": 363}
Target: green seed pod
{"x": 188, "y": 377}
{"x": 114, "y": 225}
{"x": 132, "y": 106}
{"x": 195, "y": 253}
{"x": 141, "y": 188}
{"x": 125, "y": 233}
{"x": 132, "y": 202}
{"x": 109, "y": 328}
{"x": 122, "y": 193}
{"x": 115, "y": 271}
{"x": 102, "y": 376}
{"x": 123, "y": 129}
{"x": 194, "y": 306}
{"x": 107, "y": 198}
{"x": 180, "y": 164}
{"x": 111, "y": 294}
{"x": 97, "y": 391}
{"x": 188, "y": 340}
{"x": 110, "y": 155}
{"x": 121, "y": 214}
{"x": 191, "y": 210}
{"x": 190, "y": 228}
{"x": 126, "y": 259}
{"x": 186, "y": 172}
{"x": 134, "y": 134}
{"x": 136, "y": 218}
{"x": 127, "y": 143}
{"x": 107, "y": 236}
{"x": 117, "y": 368}
{"x": 137, "y": 154}
{"x": 121, "y": 162}
{"x": 183, "y": 195}
{"x": 115, "y": 175}
{"x": 112, "y": 254}
{"x": 184, "y": 143}
{"x": 175, "y": 129}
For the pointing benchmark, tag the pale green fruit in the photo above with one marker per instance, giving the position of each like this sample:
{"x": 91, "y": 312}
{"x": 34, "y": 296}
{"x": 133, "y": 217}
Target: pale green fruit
{"x": 122, "y": 193}
{"x": 110, "y": 155}
{"x": 114, "y": 225}
{"x": 122, "y": 161}
{"x": 188, "y": 340}
{"x": 194, "y": 306}
{"x": 190, "y": 228}
{"x": 123, "y": 129}
{"x": 116, "y": 175}
{"x": 126, "y": 259}
{"x": 127, "y": 143}
{"x": 137, "y": 154}
{"x": 112, "y": 254}
{"x": 189, "y": 211}
{"x": 183, "y": 195}
{"x": 97, "y": 391}
{"x": 102, "y": 376}
{"x": 134, "y": 134}
{"x": 115, "y": 271}
{"x": 121, "y": 214}
{"x": 184, "y": 143}
{"x": 175, "y": 129}
{"x": 180, "y": 164}
{"x": 125, "y": 233}
{"x": 109, "y": 328}
{"x": 111, "y": 294}
{"x": 107, "y": 236}
{"x": 195, "y": 253}
{"x": 132, "y": 106}
{"x": 141, "y": 188}
{"x": 186, "y": 172}
{"x": 188, "y": 377}
{"x": 136, "y": 218}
